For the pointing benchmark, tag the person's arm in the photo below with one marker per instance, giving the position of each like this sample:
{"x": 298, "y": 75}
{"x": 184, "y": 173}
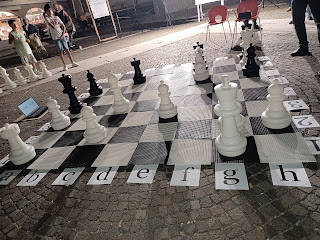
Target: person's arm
{"x": 68, "y": 16}
{"x": 63, "y": 28}
{"x": 11, "y": 38}
{"x": 49, "y": 24}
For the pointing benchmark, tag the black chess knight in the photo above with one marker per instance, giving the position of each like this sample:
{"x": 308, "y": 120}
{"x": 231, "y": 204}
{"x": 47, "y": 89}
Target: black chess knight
{"x": 251, "y": 69}
{"x": 138, "y": 76}
{"x": 95, "y": 89}
{"x": 75, "y": 106}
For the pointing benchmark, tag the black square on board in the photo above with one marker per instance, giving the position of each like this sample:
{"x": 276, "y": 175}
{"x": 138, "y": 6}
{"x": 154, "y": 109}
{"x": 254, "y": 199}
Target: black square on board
{"x": 82, "y": 156}
{"x": 127, "y": 76}
{"x": 252, "y": 94}
{"x": 101, "y": 110}
{"x": 109, "y": 92}
{"x": 144, "y": 106}
{"x": 128, "y": 134}
{"x": 198, "y": 100}
{"x": 225, "y": 69}
{"x": 132, "y": 96}
{"x": 249, "y": 156}
{"x": 70, "y": 138}
{"x": 91, "y": 100}
{"x": 194, "y": 130}
{"x": 112, "y": 120}
{"x": 259, "y": 129}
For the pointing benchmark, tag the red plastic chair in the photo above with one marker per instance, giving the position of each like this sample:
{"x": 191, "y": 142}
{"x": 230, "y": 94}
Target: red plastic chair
{"x": 247, "y": 6}
{"x": 213, "y": 13}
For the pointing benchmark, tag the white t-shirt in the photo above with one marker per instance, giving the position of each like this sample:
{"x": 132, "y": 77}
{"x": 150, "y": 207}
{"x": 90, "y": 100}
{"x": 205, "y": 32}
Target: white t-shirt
{"x": 57, "y": 30}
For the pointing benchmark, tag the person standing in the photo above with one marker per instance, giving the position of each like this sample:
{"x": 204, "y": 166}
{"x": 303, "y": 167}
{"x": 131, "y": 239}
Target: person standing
{"x": 298, "y": 12}
{"x": 57, "y": 31}
{"x": 32, "y": 35}
{"x": 17, "y": 37}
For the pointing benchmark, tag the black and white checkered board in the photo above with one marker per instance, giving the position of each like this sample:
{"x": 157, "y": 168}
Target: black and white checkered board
{"x": 137, "y": 137}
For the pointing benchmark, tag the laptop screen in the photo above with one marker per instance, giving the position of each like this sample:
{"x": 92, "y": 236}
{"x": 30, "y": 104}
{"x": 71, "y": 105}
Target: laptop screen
{"x": 28, "y": 106}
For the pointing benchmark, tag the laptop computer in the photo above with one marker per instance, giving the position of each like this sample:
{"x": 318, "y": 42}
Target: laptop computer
{"x": 30, "y": 109}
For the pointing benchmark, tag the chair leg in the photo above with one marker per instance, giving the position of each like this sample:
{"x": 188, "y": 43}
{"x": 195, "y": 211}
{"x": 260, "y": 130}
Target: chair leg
{"x": 260, "y": 29}
{"x": 224, "y": 33}
{"x": 207, "y": 33}
{"x": 234, "y": 34}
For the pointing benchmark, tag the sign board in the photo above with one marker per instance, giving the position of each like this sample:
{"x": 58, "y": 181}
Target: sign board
{"x": 99, "y": 8}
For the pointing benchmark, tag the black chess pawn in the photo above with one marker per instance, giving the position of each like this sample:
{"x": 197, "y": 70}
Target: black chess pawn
{"x": 251, "y": 69}
{"x": 75, "y": 106}
{"x": 95, "y": 89}
{"x": 138, "y": 76}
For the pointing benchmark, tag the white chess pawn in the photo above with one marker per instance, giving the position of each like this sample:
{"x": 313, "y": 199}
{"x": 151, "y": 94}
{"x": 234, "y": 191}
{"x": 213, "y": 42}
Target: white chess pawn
{"x": 59, "y": 121}
{"x": 229, "y": 143}
{"x": 32, "y": 76}
{"x": 239, "y": 118}
{"x": 94, "y": 132}
{"x": 246, "y": 36}
{"x": 9, "y": 84}
{"x": 44, "y": 70}
{"x": 166, "y": 109}
{"x": 120, "y": 105}
{"x": 276, "y": 116}
{"x": 20, "y": 78}
{"x": 200, "y": 68}
{"x": 20, "y": 152}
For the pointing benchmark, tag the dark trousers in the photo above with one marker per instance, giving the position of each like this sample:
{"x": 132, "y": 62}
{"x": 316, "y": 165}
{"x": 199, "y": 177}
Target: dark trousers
{"x": 298, "y": 12}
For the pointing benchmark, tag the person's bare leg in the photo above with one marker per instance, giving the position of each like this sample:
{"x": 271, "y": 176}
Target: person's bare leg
{"x": 34, "y": 66}
{"x": 69, "y": 55}
{"x": 62, "y": 58}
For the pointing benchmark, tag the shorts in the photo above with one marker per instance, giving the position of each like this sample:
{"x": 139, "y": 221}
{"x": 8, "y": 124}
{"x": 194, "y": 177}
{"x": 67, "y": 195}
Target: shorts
{"x": 28, "y": 59}
{"x": 61, "y": 44}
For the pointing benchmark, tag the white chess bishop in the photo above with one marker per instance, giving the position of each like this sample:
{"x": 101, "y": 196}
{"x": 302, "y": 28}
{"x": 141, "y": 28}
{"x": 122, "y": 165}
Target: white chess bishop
{"x": 276, "y": 116}
{"x": 200, "y": 68}
{"x": 32, "y": 76}
{"x": 9, "y": 84}
{"x": 246, "y": 36}
{"x": 44, "y": 71}
{"x": 229, "y": 143}
{"x": 166, "y": 109}
{"x": 20, "y": 78}
{"x": 59, "y": 120}
{"x": 94, "y": 131}
{"x": 21, "y": 152}
{"x": 239, "y": 118}
{"x": 120, "y": 105}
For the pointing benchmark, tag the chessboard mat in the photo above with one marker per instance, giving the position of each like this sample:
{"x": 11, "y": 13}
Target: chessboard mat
{"x": 138, "y": 137}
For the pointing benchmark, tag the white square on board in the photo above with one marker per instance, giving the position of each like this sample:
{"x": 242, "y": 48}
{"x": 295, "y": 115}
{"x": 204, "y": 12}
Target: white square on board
{"x": 289, "y": 174}
{"x": 263, "y": 58}
{"x": 231, "y": 176}
{"x": 137, "y": 119}
{"x": 47, "y": 139}
{"x": 186, "y": 175}
{"x": 142, "y": 174}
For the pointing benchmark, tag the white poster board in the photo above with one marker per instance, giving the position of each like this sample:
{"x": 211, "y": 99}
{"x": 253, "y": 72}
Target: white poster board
{"x": 99, "y": 8}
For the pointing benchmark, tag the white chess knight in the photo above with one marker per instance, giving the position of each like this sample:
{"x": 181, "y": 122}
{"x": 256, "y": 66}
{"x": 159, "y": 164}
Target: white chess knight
{"x": 120, "y": 105}
{"x": 20, "y": 152}
{"x": 44, "y": 71}
{"x": 94, "y": 131}
{"x": 239, "y": 118}
{"x": 200, "y": 68}
{"x": 229, "y": 143}
{"x": 32, "y": 76}
{"x": 166, "y": 109}
{"x": 20, "y": 78}
{"x": 246, "y": 36}
{"x": 59, "y": 120}
{"x": 9, "y": 84}
{"x": 276, "y": 116}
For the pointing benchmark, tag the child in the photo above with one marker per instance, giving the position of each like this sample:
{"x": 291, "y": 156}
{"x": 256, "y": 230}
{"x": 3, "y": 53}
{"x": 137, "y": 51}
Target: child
{"x": 57, "y": 31}
{"x": 17, "y": 37}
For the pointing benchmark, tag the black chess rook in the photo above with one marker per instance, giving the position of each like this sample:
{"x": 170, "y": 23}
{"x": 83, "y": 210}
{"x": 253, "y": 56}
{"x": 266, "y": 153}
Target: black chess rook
{"x": 75, "y": 106}
{"x": 251, "y": 69}
{"x": 138, "y": 76}
{"x": 95, "y": 89}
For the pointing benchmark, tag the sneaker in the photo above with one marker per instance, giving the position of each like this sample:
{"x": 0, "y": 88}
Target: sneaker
{"x": 75, "y": 64}
{"x": 291, "y": 22}
{"x": 65, "y": 68}
{"x": 289, "y": 9}
{"x": 301, "y": 52}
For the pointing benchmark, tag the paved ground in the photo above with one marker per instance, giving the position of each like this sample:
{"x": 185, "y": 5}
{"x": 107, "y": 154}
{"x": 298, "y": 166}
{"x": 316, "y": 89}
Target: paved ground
{"x": 158, "y": 211}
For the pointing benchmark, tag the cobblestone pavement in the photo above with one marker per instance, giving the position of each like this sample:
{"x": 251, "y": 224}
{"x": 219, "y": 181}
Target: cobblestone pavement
{"x": 159, "y": 211}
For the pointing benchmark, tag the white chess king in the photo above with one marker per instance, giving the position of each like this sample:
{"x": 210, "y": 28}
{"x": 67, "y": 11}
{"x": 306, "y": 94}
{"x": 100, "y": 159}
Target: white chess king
{"x": 276, "y": 116}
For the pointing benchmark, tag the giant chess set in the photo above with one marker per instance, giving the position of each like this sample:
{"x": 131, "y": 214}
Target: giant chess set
{"x": 230, "y": 111}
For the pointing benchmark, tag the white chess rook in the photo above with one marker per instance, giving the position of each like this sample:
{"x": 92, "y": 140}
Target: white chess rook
{"x": 94, "y": 132}
{"x": 120, "y": 105}
{"x": 200, "y": 68}
{"x": 246, "y": 36}
{"x": 32, "y": 76}
{"x": 239, "y": 118}
{"x": 276, "y": 116}
{"x": 45, "y": 73}
{"x": 58, "y": 121}
{"x": 229, "y": 143}
{"x": 20, "y": 152}
{"x": 20, "y": 78}
{"x": 8, "y": 82}
{"x": 166, "y": 109}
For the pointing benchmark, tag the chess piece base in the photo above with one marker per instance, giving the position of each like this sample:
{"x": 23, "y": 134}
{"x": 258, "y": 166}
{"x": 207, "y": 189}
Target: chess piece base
{"x": 121, "y": 107}
{"x": 231, "y": 147}
{"x": 239, "y": 120}
{"x": 95, "y": 135}
{"x": 61, "y": 124}
{"x": 139, "y": 79}
{"x": 75, "y": 109}
{"x": 46, "y": 75}
{"x": 95, "y": 92}
{"x": 276, "y": 120}
{"x": 22, "y": 155}
{"x": 251, "y": 72}
{"x": 167, "y": 112}
{"x": 201, "y": 77}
